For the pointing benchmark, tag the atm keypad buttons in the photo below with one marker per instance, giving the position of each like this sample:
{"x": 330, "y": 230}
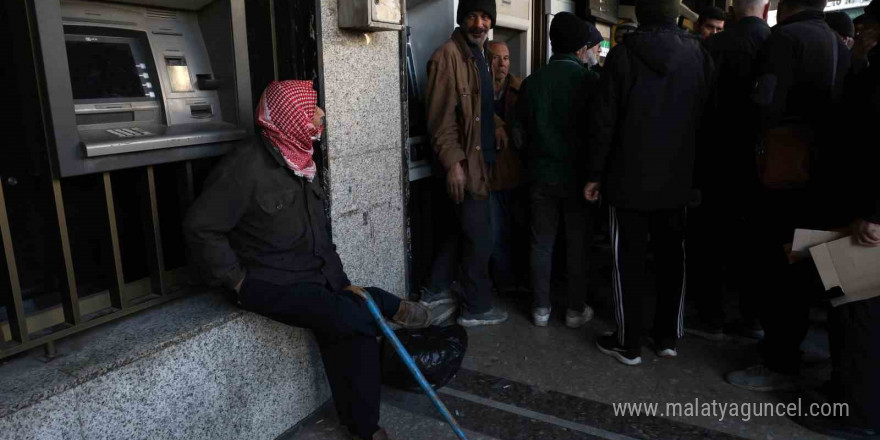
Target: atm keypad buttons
{"x": 128, "y": 132}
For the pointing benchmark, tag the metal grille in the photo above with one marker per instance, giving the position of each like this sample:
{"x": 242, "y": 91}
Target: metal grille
{"x": 80, "y": 309}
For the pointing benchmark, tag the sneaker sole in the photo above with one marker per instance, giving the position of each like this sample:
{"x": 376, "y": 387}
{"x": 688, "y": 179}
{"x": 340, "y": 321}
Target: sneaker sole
{"x": 479, "y": 322}
{"x": 541, "y": 322}
{"x": 437, "y": 320}
{"x": 764, "y": 389}
{"x": 438, "y": 302}
{"x": 715, "y": 337}
{"x": 620, "y": 358}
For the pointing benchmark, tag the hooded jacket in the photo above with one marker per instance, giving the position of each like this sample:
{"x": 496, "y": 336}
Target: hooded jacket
{"x": 651, "y": 96}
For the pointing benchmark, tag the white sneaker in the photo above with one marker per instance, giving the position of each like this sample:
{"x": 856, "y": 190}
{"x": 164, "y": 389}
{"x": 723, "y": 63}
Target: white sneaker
{"x": 667, "y": 353}
{"x": 575, "y": 319}
{"x": 541, "y": 316}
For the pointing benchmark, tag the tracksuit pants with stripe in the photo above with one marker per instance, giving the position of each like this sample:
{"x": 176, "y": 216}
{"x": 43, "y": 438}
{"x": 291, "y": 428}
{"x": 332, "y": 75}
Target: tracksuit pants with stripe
{"x": 630, "y": 232}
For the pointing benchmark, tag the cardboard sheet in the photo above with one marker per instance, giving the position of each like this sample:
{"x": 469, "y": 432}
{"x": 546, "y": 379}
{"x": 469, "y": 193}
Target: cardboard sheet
{"x": 855, "y": 269}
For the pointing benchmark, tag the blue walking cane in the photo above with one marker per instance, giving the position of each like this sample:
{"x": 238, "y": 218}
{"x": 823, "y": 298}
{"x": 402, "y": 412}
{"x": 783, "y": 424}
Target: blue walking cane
{"x": 407, "y": 359}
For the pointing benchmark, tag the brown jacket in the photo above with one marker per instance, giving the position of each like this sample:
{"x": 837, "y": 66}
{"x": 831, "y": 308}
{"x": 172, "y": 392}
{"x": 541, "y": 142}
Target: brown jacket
{"x": 453, "y": 101}
{"x": 506, "y": 172}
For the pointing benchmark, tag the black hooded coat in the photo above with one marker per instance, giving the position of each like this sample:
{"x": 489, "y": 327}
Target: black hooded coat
{"x": 651, "y": 97}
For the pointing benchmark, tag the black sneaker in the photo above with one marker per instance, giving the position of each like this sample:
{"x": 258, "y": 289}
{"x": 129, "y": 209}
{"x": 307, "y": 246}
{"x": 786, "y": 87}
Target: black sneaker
{"x": 701, "y": 329}
{"x": 608, "y": 345}
{"x": 492, "y": 317}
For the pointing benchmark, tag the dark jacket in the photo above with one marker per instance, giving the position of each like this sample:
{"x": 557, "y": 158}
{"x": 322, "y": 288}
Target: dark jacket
{"x": 795, "y": 72}
{"x": 651, "y": 96}
{"x": 726, "y": 157}
{"x": 507, "y": 170}
{"x": 798, "y": 82}
{"x": 255, "y": 217}
{"x": 551, "y": 114}
{"x": 863, "y": 142}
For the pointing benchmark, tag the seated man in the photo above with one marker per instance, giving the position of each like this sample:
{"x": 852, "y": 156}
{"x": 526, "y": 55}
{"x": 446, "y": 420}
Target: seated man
{"x": 259, "y": 229}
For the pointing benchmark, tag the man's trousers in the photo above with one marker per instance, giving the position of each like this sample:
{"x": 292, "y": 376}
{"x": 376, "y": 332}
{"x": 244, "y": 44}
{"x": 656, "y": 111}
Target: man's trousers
{"x": 346, "y": 334}
{"x": 630, "y": 230}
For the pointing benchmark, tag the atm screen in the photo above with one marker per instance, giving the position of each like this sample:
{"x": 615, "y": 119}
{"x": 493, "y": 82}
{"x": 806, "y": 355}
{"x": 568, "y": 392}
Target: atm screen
{"x": 103, "y": 70}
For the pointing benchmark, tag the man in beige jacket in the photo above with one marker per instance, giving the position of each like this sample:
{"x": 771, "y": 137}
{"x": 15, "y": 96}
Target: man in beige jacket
{"x": 466, "y": 137}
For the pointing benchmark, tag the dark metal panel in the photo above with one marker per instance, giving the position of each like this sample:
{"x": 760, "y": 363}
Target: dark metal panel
{"x": 17, "y": 321}
{"x": 71, "y": 300}
{"x": 155, "y": 257}
{"x": 117, "y": 289}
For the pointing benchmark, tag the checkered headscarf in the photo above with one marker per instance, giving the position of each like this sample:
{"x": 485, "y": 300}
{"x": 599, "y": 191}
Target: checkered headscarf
{"x": 285, "y": 113}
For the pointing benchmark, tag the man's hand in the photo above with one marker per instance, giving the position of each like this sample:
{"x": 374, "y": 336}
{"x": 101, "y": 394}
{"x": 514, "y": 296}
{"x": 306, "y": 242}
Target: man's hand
{"x": 455, "y": 183}
{"x": 357, "y": 290}
{"x": 501, "y": 140}
{"x": 591, "y": 192}
{"x": 867, "y": 233}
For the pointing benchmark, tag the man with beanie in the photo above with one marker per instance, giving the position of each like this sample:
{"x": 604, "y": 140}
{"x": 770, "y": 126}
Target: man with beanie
{"x": 801, "y": 69}
{"x": 594, "y": 51}
{"x": 466, "y": 137}
{"x": 727, "y": 176}
{"x": 643, "y": 129}
{"x": 840, "y": 22}
{"x": 550, "y": 114}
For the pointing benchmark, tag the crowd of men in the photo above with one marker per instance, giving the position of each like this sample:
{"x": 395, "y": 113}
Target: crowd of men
{"x": 731, "y": 136}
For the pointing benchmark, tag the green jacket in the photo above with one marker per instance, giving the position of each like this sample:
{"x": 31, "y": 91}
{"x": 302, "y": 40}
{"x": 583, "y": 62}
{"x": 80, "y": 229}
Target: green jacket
{"x": 552, "y": 121}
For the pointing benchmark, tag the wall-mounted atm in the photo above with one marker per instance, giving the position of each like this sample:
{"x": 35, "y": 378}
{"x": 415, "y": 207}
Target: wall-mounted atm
{"x": 142, "y": 82}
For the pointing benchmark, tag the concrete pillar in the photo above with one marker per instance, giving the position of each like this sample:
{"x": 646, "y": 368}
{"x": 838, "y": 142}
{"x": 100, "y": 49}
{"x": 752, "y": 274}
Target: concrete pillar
{"x": 365, "y": 151}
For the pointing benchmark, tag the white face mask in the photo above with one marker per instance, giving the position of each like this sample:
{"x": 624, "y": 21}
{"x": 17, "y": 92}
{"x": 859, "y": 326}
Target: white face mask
{"x": 592, "y": 58}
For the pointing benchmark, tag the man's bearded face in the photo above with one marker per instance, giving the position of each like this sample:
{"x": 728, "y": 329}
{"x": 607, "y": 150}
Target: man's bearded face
{"x": 476, "y": 26}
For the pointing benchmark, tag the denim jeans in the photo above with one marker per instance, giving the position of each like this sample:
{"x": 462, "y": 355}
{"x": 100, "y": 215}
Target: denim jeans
{"x": 553, "y": 206}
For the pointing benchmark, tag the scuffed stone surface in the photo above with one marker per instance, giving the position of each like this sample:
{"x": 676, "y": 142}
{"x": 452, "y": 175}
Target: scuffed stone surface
{"x": 362, "y": 88}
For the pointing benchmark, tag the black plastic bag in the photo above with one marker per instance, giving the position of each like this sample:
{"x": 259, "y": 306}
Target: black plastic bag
{"x": 437, "y": 351}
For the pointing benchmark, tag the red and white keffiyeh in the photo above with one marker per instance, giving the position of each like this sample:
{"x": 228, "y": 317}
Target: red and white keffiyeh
{"x": 285, "y": 113}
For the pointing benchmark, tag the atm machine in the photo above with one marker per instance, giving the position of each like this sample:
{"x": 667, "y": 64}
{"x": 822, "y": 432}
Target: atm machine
{"x": 143, "y": 82}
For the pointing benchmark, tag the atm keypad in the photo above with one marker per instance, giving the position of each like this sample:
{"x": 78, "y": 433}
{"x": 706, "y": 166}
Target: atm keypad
{"x": 128, "y": 132}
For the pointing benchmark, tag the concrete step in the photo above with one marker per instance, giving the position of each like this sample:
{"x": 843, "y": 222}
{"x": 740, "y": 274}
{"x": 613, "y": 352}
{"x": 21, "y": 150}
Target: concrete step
{"x": 195, "y": 368}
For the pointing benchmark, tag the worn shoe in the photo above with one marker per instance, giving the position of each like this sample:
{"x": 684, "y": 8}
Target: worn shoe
{"x": 761, "y": 378}
{"x": 836, "y": 427}
{"x": 429, "y": 298}
{"x": 412, "y": 315}
{"x": 492, "y": 317}
{"x": 608, "y": 345}
{"x": 667, "y": 353}
{"x": 541, "y": 316}
{"x": 575, "y": 319}
{"x": 704, "y": 330}
{"x": 443, "y": 314}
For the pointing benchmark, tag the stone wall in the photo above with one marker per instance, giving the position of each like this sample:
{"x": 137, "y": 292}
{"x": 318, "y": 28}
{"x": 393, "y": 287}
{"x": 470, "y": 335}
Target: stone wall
{"x": 364, "y": 141}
